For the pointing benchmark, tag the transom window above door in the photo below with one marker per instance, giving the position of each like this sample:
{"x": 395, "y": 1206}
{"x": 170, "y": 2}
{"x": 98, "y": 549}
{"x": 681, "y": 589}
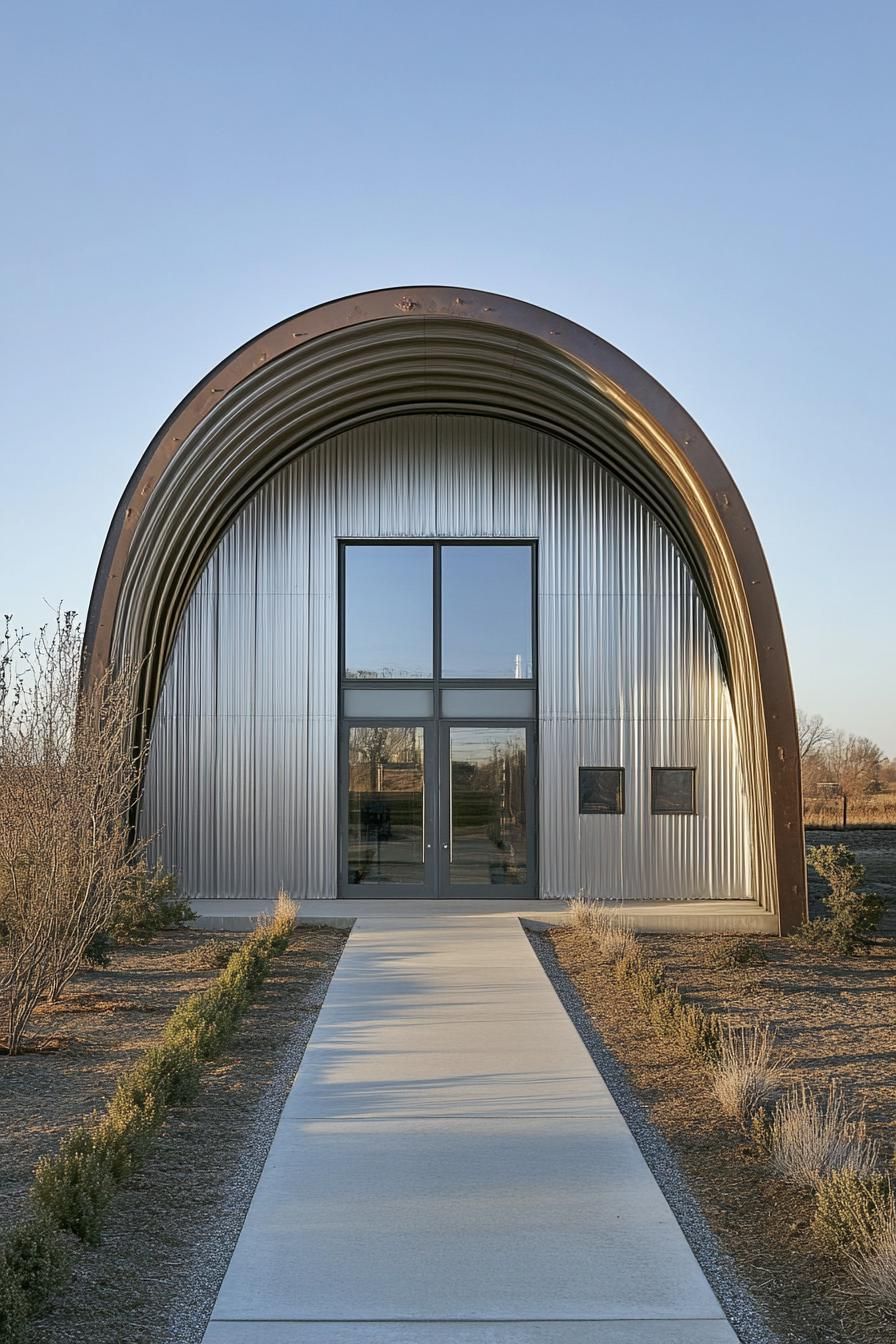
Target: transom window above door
{"x": 450, "y": 611}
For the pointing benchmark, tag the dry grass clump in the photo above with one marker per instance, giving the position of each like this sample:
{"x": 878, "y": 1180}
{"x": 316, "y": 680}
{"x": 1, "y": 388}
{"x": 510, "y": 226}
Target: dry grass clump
{"x": 587, "y": 916}
{"x": 730, "y": 954}
{"x": 808, "y": 1137}
{"x": 747, "y": 1072}
{"x": 875, "y": 1267}
{"x": 606, "y": 928}
{"x": 281, "y": 922}
{"x": 212, "y": 954}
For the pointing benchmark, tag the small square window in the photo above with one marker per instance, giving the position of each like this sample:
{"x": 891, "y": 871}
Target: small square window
{"x": 673, "y": 792}
{"x": 601, "y": 789}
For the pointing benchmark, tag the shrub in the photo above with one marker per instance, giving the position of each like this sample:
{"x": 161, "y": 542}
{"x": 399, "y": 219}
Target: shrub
{"x": 807, "y": 1137}
{"x": 201, "y": 1023}
{"x": 746, "y": 1074}
{"x": 583, "y": 914}
{"x": 730, "y": 953}
{"x": 699, "y": 1032}
{"x": 166, "y": 1075}
{"x": 98, "y": 952}
{"x": 280, "y": 925}
{"x": 645, "y": 979}
{"x": 695, "y": 1030}
{"x": 210, "y": 955}
{"x": 74, "y": 1186}
{"x": 147, "y": 902}
{"x": 618, "y": 942}
{"x": 875, "y": 1267}
{"x": 852, "y": 1210}
{"x": 854, "y": 915}
{"x": 13, "y": 1307}
{"x": 68, "y": 774}
{"x": 38, "y": 1258}
{"x": 612, "y": 936}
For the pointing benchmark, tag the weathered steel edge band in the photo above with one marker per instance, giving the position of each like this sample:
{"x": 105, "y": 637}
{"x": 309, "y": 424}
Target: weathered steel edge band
{"x": 375, "y": 354}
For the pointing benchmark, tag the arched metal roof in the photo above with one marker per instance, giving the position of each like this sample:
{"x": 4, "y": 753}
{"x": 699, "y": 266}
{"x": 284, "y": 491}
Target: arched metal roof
{"x": 427, "y": 348}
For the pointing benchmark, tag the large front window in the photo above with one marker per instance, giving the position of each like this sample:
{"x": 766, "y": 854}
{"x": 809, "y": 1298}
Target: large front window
{"x": 486, "y": 611}
{"x": 388, "y": 612}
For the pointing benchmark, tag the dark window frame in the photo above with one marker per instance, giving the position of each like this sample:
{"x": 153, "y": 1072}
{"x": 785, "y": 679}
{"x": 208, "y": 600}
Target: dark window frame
{"x": 619, "y": 772}
{"x": 437, "y": 680}
{"x": 658, "y": 770}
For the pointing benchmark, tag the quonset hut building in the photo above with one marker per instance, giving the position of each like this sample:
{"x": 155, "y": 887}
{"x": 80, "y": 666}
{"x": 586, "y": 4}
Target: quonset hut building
{"x": 436, "y": 595}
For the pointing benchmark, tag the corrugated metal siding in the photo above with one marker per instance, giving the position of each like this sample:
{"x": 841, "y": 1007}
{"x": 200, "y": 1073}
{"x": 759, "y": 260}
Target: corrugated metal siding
{"x": 242, "y": 777}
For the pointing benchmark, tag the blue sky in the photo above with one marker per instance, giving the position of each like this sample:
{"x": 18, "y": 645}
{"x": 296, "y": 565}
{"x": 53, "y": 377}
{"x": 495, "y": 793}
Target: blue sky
{"x": 709, "y": 186}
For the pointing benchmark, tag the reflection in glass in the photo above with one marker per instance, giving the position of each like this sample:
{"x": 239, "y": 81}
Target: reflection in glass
{"x": 488, "y": 807}
{"x": 385, "y": 804}
{"x": 487, "y": 611}
{"x": 601, "y": 789}
{"x": 388, "y": 611}
{"x": 672, "y": 791}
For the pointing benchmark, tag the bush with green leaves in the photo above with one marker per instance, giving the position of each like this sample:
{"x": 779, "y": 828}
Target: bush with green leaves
{"x": 34, "y": 1261}
{"x": 13, "y": 1307}
{"x": 98, "y": 952}
{"x": 853, "y": 915}
{"x": 38, "y": 1256}
{"x": 75, "y": 1185}
{"x": 148, "y": 902}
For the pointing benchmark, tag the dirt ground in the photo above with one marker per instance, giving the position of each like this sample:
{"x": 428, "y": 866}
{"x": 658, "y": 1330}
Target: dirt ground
{"x": 837, "y": 1019}
{"x": 127, "y": 1288}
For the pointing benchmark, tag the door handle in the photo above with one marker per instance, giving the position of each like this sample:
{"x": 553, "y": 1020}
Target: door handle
{"x": 445, "y": 846}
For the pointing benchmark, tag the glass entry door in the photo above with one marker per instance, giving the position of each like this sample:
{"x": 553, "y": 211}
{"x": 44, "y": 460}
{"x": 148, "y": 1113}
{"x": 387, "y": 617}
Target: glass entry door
{"x": 485, "y": 788}
{"x": 438, "y": 815}
{"x": 389, "y": 841}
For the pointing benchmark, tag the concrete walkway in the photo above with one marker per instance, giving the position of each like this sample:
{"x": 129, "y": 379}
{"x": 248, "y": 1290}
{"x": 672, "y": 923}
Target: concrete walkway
{"x": 450, "y": 1167}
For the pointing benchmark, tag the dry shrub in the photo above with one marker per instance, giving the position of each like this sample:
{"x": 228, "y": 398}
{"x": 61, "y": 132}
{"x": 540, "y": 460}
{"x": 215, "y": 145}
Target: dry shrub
{"x": 579, "y": 913}
{"x": 587, "y": 916}
{"x": 809, "y": 1136}
{"x": 212, "y": 954}
{"x": 618, "y": 942}
{"x": 280, "y": 924}
{"x": 875, "y": 1267}
{"x": 68, "y": 777}
{"x": 851, "y": 1211}
{"x": 608, "y": 929}
{"x": 747, "y": 1072}
{"x": 729, "y": 954}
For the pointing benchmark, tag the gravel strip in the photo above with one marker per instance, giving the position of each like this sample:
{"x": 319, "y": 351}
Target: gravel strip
{"x": 191, "y": 1309}
{"x": 737, "y": 1302}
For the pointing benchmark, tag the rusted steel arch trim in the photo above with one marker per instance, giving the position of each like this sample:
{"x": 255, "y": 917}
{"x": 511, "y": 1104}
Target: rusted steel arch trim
{"x": 418, "y": 348}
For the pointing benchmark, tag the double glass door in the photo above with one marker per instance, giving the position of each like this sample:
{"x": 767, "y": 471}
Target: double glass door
{"x": 438, "y": 809}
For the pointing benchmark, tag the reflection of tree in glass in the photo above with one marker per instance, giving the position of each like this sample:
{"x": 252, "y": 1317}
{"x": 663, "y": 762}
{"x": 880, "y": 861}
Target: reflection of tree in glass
{"x": 379, "y": 747}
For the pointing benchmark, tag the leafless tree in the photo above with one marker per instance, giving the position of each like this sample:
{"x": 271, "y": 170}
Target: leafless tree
{"x": 813, "y": 733}
{"x": 855, "y": 762}
{"x": 68, "y": 779}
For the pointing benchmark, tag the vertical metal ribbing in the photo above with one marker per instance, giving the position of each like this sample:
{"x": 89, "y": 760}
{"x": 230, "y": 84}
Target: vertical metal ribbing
{"x": 241, "y": 783}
